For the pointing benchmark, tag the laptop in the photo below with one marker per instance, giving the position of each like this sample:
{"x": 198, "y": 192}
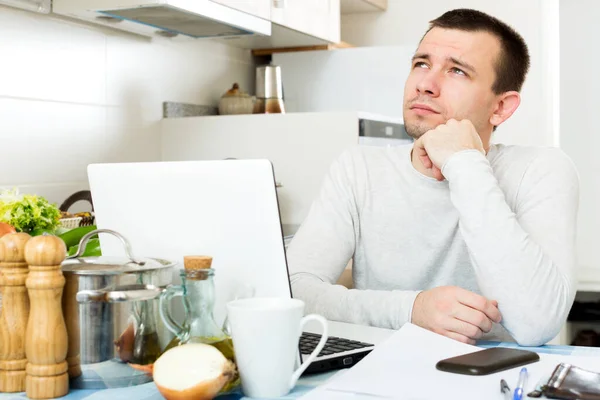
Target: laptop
{"x": 227, "y": 209}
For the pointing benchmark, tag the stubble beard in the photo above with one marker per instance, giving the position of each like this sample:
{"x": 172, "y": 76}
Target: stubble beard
{"x": 418, "y": 125}
{"x": 416, "y": 129}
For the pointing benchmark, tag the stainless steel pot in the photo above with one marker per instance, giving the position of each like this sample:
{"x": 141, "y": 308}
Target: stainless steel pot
{"x": 110, "y": 305}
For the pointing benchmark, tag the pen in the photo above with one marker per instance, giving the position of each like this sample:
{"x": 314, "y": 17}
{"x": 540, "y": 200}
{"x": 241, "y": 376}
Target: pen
{"x": 505, "y": 389}
{"x": 521, "y": 384}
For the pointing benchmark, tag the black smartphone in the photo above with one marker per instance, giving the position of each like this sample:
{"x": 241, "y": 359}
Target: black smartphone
{"x": 487, "y": 361}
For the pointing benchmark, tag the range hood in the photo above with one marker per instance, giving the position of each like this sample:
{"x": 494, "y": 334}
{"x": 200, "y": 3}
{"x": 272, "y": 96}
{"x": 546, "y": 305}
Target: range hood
{"x": 187, "y": 18}
{"x": 40, "y": 6}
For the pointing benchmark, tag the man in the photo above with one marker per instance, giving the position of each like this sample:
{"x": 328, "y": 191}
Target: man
{"x": 451, "y": 233}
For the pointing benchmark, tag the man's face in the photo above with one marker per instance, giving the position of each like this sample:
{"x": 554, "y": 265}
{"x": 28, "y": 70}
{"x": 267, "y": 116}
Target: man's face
{"x": 451, "y": 77}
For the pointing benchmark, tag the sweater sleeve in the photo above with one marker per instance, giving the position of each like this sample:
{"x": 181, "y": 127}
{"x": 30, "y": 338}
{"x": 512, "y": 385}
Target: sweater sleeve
{"x": 523, "y": 258}
{"x": 323, "y": 246}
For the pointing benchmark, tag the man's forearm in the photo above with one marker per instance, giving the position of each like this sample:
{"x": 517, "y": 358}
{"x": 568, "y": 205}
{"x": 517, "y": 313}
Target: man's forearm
{"x": 380, "y": 308}
{"x": 527, "y": 266}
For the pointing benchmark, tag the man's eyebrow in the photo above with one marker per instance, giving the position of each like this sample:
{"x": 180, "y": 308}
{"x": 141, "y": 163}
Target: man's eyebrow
{"x": 422, "y": 56}
{"x": 463, "y": 64}
{"x": 456, "y": 61}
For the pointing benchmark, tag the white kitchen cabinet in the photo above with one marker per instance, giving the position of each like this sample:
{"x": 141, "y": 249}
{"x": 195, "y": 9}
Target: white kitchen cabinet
{"x": 361, "y": 6}
{"x": 258, "y": 8}
{"x": 41, "y": 6}
{"x": 318, "y": 18}
{"x": 252, "y": 24}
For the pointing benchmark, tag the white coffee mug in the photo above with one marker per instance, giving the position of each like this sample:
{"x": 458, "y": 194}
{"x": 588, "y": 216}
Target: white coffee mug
{"x": 266, "y": 333}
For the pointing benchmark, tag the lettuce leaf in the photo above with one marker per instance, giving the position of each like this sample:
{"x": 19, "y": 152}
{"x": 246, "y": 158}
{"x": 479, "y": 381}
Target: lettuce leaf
{"x": 28, "y": 212}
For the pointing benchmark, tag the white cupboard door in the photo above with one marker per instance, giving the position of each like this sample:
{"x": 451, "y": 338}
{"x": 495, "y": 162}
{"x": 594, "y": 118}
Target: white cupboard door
{"x": 258, "y": 8}
{"x": 319, "y": 18}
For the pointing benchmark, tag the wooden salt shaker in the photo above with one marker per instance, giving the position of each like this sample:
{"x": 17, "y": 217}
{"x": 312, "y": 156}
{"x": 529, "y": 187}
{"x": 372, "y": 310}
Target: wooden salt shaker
{"x": 15, "y": 313}
{"x": 46, "y": 339}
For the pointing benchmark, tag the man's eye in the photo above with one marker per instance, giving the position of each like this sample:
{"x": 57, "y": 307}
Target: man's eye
{"x": 458, "y": 71}
{"x": 420, "y": 64}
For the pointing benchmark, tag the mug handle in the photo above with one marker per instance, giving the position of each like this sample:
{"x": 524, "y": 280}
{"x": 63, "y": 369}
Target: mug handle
{"x": 165, "y": 315}
{"x": 316, "y": 351}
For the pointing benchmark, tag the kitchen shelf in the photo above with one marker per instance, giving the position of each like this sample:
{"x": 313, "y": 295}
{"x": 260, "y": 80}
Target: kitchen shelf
{"x": 268, "y": 52}
{"x": 362, "y": 6}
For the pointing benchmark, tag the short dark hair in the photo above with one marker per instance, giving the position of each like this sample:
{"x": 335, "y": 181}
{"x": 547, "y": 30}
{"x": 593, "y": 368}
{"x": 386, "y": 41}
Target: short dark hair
{"x": 513, "y": 63}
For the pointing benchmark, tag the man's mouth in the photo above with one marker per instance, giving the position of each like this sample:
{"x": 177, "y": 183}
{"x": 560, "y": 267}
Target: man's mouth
{"x": 423, "y": 109}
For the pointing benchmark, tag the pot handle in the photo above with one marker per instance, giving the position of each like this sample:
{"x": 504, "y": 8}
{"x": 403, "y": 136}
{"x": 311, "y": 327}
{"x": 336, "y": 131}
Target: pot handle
{"x": 125, "y": 293}
{"x": 84, "y": 240}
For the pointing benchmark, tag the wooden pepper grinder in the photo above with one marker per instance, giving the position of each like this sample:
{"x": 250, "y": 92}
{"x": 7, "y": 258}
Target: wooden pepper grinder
{"x": 70, "y": 309}
{"x": 46, "y": 340}
{"x": 15, "y": 313}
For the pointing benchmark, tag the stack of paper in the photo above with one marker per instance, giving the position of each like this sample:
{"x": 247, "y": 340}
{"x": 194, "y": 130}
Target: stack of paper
{"x": 403, "y": 367}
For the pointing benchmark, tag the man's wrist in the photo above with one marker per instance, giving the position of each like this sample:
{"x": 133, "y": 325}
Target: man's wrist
{"x": 415, "y": 306}
{"x": 462, "y": 160}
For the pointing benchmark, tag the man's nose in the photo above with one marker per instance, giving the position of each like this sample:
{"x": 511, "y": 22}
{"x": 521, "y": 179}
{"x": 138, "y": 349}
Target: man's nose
{"x": 429, "y": 84}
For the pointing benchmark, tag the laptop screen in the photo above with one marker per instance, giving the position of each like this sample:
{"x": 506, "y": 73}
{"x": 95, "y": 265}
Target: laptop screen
{"x": 227, "y": 209}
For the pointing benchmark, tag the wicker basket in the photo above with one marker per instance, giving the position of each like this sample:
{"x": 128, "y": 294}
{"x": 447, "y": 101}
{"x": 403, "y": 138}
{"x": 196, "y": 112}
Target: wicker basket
{"x": 70, "y": 223}
{"x": 75, "y": 222}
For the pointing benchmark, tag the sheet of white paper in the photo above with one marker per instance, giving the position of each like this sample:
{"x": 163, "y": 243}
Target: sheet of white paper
{"x": 404, "y": 367}
{"x": 323, "y": 393}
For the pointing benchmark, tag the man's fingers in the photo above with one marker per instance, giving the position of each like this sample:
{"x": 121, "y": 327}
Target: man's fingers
{"x": 421, "y": 152}
{"x": 426, "y": 161}
{"x": 495, "y": 304}
{"x": 480, "y": 303}
{"x": 474, "y": 317}
{"x": 437, "y": 173}
{"x": 492, "y": 312}
{"x": 459, "y": 337}
{"x": 464, "y": 328}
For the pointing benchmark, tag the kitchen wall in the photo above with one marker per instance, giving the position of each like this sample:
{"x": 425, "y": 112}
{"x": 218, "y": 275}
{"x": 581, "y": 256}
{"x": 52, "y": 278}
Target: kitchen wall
{"x": 404, "y": 23}
{"x": 73, "y": 94}
{"x": 580, "y": 138}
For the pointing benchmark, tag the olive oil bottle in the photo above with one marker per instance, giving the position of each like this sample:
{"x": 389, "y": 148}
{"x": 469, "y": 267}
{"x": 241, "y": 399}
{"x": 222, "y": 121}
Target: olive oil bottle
{"x": 198, "y": 293}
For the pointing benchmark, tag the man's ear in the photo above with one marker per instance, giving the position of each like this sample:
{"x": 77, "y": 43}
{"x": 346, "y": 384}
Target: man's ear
{"x": 506, "y": 104}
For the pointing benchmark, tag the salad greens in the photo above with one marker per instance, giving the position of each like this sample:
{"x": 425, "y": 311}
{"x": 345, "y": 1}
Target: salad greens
{"x": 27, "y": 212}
{"x": 36, "y": 216}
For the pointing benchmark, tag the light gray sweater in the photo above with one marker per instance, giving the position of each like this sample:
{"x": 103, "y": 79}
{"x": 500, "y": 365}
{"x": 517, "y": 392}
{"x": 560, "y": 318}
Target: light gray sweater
{"x": 501, "y": 225}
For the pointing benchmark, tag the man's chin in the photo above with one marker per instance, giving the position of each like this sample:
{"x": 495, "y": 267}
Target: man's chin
{"x": 415, "y": 131}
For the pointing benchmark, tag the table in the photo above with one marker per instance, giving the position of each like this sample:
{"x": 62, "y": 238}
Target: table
{"x": 305, "y": 384}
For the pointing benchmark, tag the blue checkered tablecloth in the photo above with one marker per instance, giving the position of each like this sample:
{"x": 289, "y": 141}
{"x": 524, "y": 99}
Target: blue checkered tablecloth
{"x": 148, "y": 391}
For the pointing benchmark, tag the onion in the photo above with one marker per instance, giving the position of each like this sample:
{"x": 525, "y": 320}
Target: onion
{"x": 147, "y": 369}
{"x": 125, "y": 343}
{"x": 5, "y": 229}
{"x": 192, "y": 371}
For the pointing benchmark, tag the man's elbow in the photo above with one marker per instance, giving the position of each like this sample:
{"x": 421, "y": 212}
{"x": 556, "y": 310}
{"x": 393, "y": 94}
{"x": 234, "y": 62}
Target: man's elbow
{"x": 539, "y": 329}
{"x": 538, "y": 321}
{"x": 535, "y": 336}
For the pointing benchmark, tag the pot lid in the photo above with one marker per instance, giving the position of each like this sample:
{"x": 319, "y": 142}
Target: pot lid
{"x": 107, "y": 265}
{"x": 110, "y": 265}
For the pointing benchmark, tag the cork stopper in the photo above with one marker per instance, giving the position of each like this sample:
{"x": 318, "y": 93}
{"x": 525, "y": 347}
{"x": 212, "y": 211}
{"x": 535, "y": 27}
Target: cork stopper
{"x": 194, "y": 263}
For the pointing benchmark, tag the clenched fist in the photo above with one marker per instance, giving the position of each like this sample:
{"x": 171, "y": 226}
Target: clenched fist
{"x": 455, "y": 312}
{"x": 436, "y": 146}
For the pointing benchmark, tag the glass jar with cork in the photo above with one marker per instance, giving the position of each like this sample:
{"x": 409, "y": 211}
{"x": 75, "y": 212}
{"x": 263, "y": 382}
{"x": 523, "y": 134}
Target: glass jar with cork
{"x": 198, "y": 295}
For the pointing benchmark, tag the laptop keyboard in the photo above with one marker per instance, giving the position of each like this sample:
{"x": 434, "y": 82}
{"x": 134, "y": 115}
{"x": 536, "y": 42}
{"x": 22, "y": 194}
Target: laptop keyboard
{"x": 309, "y": 341}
